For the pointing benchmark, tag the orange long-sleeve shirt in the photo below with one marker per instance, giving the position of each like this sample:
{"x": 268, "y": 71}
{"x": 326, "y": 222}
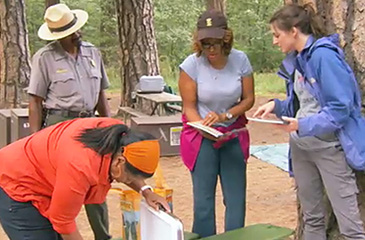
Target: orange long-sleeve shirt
{"x": 55, "y": 172}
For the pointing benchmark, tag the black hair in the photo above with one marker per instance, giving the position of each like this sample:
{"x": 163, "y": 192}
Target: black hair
{"x": 111, "y": 140}
{"x": 302, "y": 17}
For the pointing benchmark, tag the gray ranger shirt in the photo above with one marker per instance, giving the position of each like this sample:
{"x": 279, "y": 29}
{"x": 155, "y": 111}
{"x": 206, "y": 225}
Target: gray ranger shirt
{"x": 65, "y": 82}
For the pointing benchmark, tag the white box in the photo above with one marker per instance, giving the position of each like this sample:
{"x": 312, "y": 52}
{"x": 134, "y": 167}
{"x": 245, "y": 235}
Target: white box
{"x": 158, "y": 225}
{"x": 151, "y": 84}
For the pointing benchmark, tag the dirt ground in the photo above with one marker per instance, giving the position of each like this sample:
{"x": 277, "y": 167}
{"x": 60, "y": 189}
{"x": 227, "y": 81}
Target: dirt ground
{"x": 270, "y": 192}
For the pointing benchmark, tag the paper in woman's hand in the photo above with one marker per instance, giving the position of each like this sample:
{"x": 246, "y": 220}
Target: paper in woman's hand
{"x": 271, "y": 121}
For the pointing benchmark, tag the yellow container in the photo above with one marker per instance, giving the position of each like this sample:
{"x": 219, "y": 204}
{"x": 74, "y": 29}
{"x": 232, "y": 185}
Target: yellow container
{"x": 130, "y": 202}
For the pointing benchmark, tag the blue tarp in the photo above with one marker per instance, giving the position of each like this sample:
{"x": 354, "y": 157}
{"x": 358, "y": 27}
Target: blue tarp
{"x": 276, "y": 154}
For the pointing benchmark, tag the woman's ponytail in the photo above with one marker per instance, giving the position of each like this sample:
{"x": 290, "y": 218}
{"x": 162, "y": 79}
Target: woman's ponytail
{"x": 104, "y": 140}
{"x": 316, "y": 24}
{"x": 302, "y": 17}
{"x": 111, "y": 139}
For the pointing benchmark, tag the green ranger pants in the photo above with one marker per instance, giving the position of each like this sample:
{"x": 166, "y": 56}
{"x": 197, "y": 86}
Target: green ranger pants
{"x": 96, "y": 213}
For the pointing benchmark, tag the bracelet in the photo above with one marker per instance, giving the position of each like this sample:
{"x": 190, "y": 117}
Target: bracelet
{"x": 145, "y": 187}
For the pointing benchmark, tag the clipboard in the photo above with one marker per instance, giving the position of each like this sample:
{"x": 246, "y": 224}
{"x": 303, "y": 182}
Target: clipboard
{"x": 279, "y": 121}
{"x": 159, "y": 225}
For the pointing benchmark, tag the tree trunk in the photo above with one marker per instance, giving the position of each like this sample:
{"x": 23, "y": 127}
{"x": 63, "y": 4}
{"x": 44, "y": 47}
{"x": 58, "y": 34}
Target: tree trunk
{"x": 217, "y": 5}
{"x": 348, "y": 19}
{"x": 137, "y": 44}
{"x": 14, "y": 53}
{"x": 51, "y": 2}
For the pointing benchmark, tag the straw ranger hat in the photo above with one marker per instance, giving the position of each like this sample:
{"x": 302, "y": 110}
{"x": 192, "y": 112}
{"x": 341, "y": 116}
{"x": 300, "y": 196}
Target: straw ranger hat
{"x": 61, "y": 22}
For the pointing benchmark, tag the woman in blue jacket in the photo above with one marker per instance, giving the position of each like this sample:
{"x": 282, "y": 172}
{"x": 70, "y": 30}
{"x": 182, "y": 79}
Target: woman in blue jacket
{"x": 326, "y": 129}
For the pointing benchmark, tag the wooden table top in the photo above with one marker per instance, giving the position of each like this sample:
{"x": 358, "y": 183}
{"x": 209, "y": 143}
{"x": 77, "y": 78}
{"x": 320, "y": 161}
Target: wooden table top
{"x": 160, "y": 97}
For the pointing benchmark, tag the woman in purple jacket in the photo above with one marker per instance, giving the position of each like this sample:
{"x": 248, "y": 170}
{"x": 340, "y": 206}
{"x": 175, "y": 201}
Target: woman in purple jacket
{"x": 324, "y": 120}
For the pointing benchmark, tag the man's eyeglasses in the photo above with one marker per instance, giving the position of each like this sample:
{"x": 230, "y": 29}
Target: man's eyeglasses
{"x": 208, "y": 45}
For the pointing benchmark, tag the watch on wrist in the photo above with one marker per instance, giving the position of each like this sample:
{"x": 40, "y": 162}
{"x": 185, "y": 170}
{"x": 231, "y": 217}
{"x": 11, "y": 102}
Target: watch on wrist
{"x": 145, "y": 187}
{"x": 229, "y": 115}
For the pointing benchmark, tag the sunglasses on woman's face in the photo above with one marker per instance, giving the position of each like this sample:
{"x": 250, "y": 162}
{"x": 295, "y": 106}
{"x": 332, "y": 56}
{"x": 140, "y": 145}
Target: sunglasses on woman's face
{"x": 208, "y": 45}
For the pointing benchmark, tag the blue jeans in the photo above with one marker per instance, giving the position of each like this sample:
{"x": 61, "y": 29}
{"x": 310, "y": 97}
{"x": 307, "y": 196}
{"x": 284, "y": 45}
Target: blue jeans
{"x": 227, "y": 162}
{"x": 22, "y": 221}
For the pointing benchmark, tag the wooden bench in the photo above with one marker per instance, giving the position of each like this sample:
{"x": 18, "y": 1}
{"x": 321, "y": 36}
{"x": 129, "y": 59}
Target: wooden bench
{"x": 128, "y": 112}
{"x": 191, "y": 236}
{"x": 176, "y": 108}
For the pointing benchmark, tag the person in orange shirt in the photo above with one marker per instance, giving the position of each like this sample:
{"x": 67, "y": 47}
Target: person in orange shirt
{"x": 47, "y": 177}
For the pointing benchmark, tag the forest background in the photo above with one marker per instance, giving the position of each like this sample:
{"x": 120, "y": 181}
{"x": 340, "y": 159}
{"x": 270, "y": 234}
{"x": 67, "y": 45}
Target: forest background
{"x": 174, "y": 22}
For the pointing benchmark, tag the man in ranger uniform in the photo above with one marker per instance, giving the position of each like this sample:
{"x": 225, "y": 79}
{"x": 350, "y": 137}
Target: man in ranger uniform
{"x": 68, "y": 81}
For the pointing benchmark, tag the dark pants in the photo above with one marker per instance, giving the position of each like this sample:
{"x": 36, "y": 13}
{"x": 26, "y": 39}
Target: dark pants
{"x": 227, "y": 162}
{"x": 22, "y": 221}
{"x": 96, "y": 213}
{"x": 98, "y": 219}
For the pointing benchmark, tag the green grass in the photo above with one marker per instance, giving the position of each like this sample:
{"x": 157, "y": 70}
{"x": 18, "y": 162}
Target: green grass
{"x": 173, "y": 82}
{"x": 265, "y": 83}
{"x": 114, "y": 79}
{"x": 269, "y": 83}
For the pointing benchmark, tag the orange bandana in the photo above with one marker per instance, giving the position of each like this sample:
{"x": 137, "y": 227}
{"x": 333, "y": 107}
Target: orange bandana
{"x": 143, "y": 155}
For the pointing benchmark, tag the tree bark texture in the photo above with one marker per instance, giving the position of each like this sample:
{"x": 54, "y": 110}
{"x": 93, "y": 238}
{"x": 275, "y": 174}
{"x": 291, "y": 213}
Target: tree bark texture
{"x": 217, "y": 5}
{"x": 346, "y": 17}
{"x": 49, "y": 3}
{"x": 137, "y": 42}
{"x": 14, "y": 53}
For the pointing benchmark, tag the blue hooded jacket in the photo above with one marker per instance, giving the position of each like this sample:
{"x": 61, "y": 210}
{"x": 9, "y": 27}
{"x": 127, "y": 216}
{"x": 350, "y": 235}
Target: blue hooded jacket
{"x": 329, "y": 78}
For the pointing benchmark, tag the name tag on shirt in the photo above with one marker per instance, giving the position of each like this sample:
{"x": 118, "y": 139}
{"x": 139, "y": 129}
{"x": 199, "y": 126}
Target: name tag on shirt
{"x": 61, "y": 70}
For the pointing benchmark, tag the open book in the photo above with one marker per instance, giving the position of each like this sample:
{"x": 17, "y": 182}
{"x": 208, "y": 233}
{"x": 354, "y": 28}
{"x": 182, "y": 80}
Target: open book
{"x": 212, "y": 131}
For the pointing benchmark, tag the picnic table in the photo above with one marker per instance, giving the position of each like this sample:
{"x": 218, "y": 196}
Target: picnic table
{"x": 147, "y": 101}
{"x": 158, "y": 100}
